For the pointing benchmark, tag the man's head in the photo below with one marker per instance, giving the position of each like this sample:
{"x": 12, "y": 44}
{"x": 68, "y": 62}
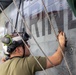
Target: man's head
{"x": 15, "y": 46}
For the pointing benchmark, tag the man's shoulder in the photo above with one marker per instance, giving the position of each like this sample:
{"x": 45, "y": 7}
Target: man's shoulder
{"x": 34, "y": 58}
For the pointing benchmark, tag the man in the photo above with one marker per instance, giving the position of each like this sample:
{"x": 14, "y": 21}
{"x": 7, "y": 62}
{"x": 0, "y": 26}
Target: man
{"x": 20, "y": 63}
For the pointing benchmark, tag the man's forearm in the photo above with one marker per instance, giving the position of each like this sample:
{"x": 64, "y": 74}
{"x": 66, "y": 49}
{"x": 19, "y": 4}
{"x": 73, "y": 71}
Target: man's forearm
{"x": 58, "y": 54}
{"x": 57, "y": 57}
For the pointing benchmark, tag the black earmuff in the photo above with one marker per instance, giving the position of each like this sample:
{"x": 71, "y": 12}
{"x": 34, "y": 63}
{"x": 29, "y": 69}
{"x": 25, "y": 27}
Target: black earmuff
{"x": 7, "y": 40}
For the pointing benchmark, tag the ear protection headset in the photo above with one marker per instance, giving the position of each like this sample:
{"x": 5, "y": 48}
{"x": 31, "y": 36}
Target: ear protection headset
{"x": 13, "y": 41}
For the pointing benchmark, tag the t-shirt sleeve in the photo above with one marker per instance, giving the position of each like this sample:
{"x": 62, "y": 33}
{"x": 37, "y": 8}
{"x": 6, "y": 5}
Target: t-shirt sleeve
{"x": 34, "y": 66}
{"x": 42, "y": 61}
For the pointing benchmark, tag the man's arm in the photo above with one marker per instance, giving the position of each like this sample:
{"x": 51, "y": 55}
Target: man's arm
{"x": 57, "y": 57}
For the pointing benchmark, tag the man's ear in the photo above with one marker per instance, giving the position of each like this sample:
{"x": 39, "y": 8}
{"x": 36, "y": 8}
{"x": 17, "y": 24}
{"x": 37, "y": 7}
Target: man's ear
{"x": 17, "y": 50}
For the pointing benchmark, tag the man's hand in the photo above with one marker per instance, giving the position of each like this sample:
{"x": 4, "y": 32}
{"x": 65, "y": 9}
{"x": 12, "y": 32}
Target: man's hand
{"x": 62, "y": 38}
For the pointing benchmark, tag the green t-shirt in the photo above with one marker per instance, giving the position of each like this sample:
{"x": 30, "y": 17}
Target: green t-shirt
{"x": 22, "y": 66}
